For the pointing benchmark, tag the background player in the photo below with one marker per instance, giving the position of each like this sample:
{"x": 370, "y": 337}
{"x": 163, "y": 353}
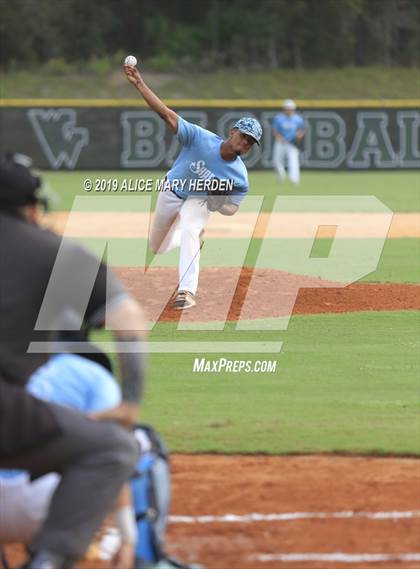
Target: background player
{"x": 288, "y": 129}
{"x": 181, "y": 213}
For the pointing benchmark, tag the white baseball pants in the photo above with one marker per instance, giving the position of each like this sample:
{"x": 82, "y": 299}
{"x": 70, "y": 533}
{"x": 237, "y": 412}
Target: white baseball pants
{"x": 24, "y": 506}
{"x": 285, "y": 151}
{"x": 178, "y": 223}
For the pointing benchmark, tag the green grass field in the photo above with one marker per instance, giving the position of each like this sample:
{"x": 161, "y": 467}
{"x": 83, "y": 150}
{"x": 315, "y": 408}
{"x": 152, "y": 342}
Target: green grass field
{"x": 399, "y": 191}
{"x": 344, "y": 382}
{"x": 65, "y": 81}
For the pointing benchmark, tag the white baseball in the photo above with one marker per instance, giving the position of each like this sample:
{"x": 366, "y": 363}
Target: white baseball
{"x": 130, "y": 60}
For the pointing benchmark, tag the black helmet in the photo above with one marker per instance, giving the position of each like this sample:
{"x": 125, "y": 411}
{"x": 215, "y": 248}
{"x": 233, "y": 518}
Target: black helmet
{"x": 18, "y": 185}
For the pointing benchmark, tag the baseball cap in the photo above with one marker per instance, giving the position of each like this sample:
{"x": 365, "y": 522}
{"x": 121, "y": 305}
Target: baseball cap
{"x": 289, "y": 105}
{"x": 250, "y": 126}
{"x": 18, "y": 185}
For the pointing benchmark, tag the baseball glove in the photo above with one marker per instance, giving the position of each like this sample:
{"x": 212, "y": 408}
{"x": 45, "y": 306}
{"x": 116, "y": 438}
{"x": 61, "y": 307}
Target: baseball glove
{"x": 216, "y": 199}
{"x": 216, "y": 202}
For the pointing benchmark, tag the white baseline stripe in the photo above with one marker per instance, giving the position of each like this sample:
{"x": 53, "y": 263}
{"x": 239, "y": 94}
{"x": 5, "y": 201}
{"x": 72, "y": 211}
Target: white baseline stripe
{"x": 290, "y": 516}
{"x": 338, "y": 557}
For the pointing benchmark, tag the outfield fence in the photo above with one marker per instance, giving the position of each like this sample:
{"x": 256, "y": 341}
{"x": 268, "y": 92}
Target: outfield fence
{"x": 69, "y": 134}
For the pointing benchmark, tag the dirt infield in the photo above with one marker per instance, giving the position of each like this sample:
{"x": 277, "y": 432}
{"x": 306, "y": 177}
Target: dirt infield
{"x": 271, "y": 294}
{"x": 308, "y": 505}
{"x": 308, "y": 484}
{"x": 242, "y": 225}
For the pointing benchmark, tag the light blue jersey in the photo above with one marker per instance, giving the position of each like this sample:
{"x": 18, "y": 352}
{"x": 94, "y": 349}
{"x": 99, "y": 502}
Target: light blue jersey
{"x": 200, "y": 160}
{"x": 288, "y": 126}
{"x": 75, "y": 382}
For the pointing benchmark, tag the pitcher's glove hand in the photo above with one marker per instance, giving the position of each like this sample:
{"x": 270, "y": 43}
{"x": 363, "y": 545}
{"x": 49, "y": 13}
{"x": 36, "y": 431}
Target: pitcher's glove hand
{"x": 217, "y": 201}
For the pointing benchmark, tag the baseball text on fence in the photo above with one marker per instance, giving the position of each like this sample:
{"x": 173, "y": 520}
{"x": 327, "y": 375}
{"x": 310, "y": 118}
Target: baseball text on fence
{"x": 347, "y": 138}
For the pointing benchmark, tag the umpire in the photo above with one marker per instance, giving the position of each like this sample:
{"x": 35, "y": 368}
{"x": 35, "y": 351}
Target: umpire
{"x": 94, "y": 457}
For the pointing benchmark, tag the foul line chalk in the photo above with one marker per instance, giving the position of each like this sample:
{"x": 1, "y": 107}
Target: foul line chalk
{"x": 290, "y": 516}
{"x": 338, "y": 557}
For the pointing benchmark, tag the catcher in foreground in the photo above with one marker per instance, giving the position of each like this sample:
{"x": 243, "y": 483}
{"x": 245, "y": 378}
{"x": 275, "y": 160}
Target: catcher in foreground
{"x": 94, "y": 457}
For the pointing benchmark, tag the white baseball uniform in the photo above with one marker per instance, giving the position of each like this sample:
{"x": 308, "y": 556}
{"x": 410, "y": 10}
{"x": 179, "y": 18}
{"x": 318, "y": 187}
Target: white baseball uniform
{"x": 284, "y": 151}
{"x": 181, "y": 212}
{"x": 24, "y": 505}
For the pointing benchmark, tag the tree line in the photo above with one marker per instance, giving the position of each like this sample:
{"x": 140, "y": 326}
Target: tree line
{"x": 211, "y": 34}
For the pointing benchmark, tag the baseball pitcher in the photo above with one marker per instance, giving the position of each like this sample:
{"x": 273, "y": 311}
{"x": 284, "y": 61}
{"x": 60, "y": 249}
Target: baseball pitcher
{"x": 207, "y": 176}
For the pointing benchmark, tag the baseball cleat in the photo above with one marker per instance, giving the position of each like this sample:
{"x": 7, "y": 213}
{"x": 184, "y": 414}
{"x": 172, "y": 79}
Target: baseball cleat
{"x": 184, "y": 299}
